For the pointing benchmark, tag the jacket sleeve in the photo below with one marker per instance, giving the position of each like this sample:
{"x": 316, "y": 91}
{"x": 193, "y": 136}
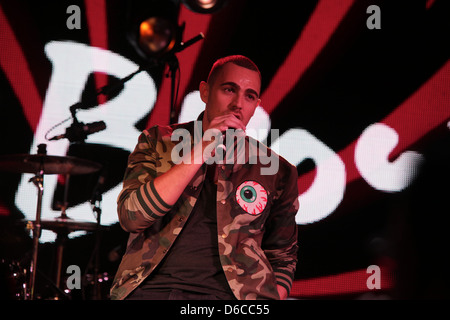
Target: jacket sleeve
{"x": 280, "y": 237}
{"x": 139, "y": 204}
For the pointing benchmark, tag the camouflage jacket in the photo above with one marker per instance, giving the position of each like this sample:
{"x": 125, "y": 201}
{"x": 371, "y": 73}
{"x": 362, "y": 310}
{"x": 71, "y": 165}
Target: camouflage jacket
{"x": 256, "y": 228}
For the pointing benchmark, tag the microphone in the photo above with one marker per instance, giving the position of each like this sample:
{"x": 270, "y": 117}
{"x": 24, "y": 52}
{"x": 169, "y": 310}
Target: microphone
{"x": 222, "y": 145}
{"x": 79, "y": 131}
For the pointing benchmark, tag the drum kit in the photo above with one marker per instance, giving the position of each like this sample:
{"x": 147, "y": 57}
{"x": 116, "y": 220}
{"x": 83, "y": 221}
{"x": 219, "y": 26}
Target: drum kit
{"x": 41, "y": 164}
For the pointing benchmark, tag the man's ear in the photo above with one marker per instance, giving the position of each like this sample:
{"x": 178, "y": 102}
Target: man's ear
{"x": 204, "y": 91}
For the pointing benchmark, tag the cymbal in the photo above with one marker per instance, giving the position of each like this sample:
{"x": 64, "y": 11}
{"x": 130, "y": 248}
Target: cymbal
{"x": 65, "y": 224}
{"x": 31, "y": 163}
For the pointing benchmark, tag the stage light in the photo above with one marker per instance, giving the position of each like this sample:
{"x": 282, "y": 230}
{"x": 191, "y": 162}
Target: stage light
{"x": 157, "y": 36}
{"x": 207, "y": 4}
{"x": 152, "y": 27}
{"x": 204, "y": 6}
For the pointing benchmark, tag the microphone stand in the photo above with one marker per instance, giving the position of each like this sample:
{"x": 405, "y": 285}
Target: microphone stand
{"x": 173, "y": 67}
{"x": 173, "y": 64}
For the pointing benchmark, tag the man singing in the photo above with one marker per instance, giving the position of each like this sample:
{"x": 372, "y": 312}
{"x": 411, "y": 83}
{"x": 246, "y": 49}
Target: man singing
{"x": 202, "y": 230}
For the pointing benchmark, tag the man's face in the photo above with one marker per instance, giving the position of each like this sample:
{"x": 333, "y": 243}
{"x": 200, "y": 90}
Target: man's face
{"x": 235, "y": 91}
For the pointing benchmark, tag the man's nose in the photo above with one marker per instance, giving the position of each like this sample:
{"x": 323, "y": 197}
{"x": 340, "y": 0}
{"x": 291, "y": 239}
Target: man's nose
{"x": 238, "y": 101}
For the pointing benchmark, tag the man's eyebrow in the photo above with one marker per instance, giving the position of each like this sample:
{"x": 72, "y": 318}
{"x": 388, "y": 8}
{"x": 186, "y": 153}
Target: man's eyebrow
{"x": 235, "y": 85}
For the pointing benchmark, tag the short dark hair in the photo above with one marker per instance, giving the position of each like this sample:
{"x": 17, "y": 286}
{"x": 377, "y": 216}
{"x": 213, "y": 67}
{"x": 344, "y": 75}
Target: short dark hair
{"x": 239, "y": 60}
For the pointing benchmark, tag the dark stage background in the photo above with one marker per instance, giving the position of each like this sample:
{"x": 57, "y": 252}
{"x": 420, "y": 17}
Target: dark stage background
{"x": 362, "y": 112}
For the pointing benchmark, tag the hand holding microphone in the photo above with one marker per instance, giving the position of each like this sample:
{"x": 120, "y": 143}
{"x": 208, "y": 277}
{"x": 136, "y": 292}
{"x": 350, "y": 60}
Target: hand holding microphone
{"x": 224, "y": 124}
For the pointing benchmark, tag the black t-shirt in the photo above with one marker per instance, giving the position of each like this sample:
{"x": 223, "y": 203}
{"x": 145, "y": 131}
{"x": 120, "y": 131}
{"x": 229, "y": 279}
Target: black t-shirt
{"x": 192, "y": 262}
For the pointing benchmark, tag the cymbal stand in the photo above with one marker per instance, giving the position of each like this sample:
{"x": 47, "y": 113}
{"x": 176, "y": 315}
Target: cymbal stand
{"x": 38, "y": 181}
{"x": 94, "y": 261}
{"x": 62, "y": 235}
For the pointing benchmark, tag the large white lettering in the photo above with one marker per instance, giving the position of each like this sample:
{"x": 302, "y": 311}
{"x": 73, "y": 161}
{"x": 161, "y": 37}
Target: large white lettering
{"x": 74, "y": 62}
{"x": 371, "y": 158}
{"x": 327, "y": 190}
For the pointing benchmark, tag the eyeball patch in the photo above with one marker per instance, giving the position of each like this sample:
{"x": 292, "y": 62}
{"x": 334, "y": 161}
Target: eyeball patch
{"x": 252, "y": 197}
